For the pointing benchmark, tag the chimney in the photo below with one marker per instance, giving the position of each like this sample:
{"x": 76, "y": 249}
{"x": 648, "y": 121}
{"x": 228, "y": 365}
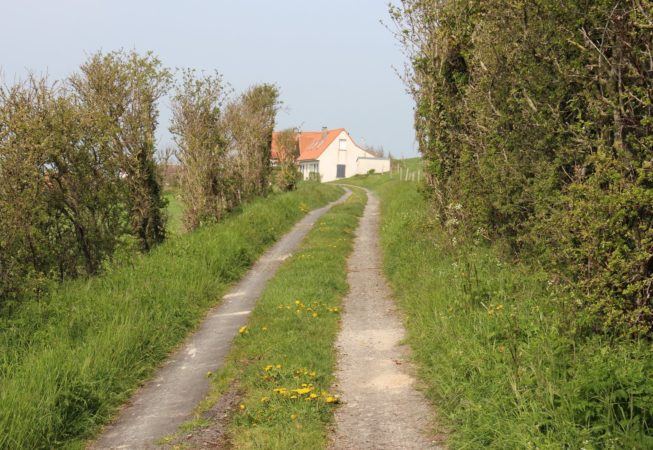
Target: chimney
{"x": 324, "y": 132}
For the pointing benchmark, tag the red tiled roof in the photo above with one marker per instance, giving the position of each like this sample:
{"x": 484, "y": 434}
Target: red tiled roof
{"x": 311, "y": 143}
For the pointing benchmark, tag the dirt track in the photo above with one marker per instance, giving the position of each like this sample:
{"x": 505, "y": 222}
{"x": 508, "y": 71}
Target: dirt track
{"x": 169, "y": 398}
{"x": 382, "y": 409}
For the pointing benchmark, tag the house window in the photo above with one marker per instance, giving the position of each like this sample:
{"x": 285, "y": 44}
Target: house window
{"x": 342, "y": 151}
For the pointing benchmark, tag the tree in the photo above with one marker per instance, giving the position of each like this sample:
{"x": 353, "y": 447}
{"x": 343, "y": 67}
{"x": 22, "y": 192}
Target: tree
{"x": 249, "y": 121}
{"x": 288, "y": 152}
{"x": 202, "y": 147}
{"x": 120, "y": 90}
{"x": 378, "y": 151}
{"x": 23, "y": 209}
{"x": 61, "y": 210}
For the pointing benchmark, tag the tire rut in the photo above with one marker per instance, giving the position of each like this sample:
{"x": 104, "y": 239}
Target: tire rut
{"x": 382, "y": 409}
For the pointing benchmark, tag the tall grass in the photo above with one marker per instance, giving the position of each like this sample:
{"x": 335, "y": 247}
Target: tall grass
{"x": 68, "y": 360}
{"x": 496, "y": 344}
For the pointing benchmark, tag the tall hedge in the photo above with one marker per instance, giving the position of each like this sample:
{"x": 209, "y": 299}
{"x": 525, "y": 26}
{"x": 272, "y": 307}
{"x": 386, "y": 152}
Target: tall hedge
{"x": 534, "y": 122}
{"x": 78, "y": 172}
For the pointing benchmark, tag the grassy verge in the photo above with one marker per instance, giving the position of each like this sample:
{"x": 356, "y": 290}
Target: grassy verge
{"x": 283, "y": 361}
{"x": 68, "y": 361}
{"x": 497, "y": 347}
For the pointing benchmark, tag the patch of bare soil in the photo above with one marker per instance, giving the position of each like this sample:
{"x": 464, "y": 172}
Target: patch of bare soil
{"x": 216, "y": 434}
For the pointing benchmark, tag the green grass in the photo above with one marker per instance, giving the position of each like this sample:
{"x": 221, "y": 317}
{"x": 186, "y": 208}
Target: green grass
{"x": 496, "y": 346}
{"x": 412, "y": 164}
{"x": 288, "y": 344}
{"x": 69, "y": 360}
{"x": 175, "y": 211}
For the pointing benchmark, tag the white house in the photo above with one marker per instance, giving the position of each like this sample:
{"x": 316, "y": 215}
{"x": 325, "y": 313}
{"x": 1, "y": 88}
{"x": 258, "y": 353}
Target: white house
{"x": 334, "y": 155}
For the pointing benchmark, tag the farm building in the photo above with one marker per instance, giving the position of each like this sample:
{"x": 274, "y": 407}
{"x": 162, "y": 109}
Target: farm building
{"x": 334, "y": 155}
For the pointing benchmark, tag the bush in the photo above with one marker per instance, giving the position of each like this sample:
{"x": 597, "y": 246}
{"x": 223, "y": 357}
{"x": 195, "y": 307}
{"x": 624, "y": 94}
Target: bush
{"x": 287, "y": 172}
{"x": 77, "y": 169}
{"x": 534, "y": 121}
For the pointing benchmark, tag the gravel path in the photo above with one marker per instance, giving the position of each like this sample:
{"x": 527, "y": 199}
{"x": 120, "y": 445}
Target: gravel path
{"x": 169, "y": 398}
{"x": 382, "y": 409}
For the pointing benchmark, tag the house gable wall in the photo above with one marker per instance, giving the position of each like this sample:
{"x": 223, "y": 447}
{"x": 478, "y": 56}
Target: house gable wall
{"x": 332, "y": 156}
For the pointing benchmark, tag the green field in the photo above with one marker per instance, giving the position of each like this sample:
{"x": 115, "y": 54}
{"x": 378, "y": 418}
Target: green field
{"x": 175, "y": 212}
{"x": 496, "y": 345}
{"x": 69, "y": 360}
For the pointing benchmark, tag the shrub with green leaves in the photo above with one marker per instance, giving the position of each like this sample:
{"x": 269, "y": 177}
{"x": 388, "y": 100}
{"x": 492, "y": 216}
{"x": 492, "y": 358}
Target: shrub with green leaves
{"x": 534, "y": 121}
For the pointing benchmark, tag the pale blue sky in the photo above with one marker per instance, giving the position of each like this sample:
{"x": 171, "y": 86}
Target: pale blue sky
{"x": 332, "y": 59}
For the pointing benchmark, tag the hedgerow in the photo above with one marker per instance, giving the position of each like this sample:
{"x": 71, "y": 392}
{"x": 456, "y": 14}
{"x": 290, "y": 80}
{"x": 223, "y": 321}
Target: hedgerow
{"x": 79, "y": 180}
{"x": 534, "y": 122}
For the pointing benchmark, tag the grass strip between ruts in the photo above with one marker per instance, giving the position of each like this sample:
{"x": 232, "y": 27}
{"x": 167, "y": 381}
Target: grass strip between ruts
{"x": 283, "y": 361}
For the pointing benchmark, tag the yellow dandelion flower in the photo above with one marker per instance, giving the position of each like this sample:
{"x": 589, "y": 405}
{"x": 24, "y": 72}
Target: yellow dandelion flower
{"x": 314, "y": 314}
{"x": 243, "y": 329}
{"x": 293, "y": 416}
{"x": 264, "y": 328}
{"x": 241, "y": 406}
{"x": 265, "y": 399}
{"x": 312, "y": 396}
{"x": 331, "y": 399}
{"x": 278, "y": 366}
